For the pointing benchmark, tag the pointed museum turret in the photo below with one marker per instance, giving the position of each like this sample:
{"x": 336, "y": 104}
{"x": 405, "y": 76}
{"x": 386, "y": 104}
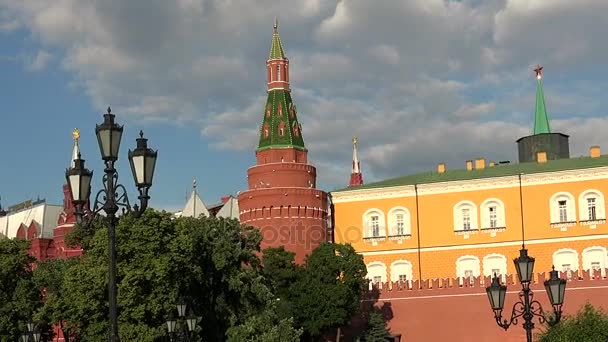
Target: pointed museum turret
{"x": 554, "y": 145}
{"x": 282, "y": 199}
{"x": 356, "y": 177}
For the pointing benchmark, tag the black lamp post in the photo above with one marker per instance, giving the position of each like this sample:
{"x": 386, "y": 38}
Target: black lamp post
{"x": 31, "y": 333}
{"x": 527, "y": 307}
{"x": 181, "y": 328}
{"x": 113, "y": 196}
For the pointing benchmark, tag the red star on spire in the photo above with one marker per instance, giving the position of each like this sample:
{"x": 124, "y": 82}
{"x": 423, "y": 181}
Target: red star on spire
{"x": 539, "y": 71}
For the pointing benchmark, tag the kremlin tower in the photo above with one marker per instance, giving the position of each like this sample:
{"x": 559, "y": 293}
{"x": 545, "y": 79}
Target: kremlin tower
{"x": 282, "y": 200}
{"x": 356, "y": 177}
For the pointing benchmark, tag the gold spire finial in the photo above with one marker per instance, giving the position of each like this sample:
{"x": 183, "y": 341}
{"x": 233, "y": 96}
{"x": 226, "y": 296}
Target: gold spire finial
{"x": 539, "y": 71}
{"x": 76, "y": 134}
{"x": 276, "y": 23}
{"x": 355, "y": 140}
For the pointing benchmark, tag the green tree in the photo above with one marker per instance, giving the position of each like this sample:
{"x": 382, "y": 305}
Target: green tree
{"x": 328, "y": 288}
{"x": 588, "y": 325}
{"x": 376, "y": 327}
{"x": 19, "y": 297}
{"x": 211, "y": 261}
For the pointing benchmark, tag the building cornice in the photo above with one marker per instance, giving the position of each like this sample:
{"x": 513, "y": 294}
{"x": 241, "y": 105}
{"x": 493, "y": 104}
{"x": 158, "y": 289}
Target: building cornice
{"x": 534, "y": 179}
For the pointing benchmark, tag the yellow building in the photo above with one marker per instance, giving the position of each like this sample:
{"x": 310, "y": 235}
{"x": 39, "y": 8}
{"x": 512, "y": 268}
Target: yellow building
{"x": 472, "y": 221}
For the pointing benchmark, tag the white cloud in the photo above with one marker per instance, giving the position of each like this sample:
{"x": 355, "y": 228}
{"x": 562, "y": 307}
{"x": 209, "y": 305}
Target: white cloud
{"x": 419, "y": 81}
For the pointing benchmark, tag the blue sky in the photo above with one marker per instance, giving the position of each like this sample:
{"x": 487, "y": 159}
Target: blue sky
{"x": 419, "y": 82}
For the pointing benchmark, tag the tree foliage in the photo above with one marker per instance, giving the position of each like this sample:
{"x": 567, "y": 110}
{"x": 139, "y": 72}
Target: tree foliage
{"x": 323, "y": 293}
{"x": 376, "y": 327}
{"x": 588, "y": 325}
{"x": 19, "y": 297}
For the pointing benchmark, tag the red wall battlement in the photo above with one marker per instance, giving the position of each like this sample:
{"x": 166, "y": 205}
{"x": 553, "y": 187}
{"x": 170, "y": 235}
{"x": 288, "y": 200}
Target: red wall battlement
{"x": 455, "y": 309}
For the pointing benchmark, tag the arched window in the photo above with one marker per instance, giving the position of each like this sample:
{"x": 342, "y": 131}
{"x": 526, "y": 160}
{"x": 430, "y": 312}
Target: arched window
{"x": 278, "y": 72}
{"x": 566, "y": 260}
{"x": 594, "y": 259}
{"x": 399, "y": 222}
{"x": 467, "y": 267}
{"x": 494, "y": 264}
{"x": 492, "y": 214}
{"x": 281, "y": 128}
{"x": 280, "y": 109}
{"x": 401, "y": 271}
{"x": 376, "y": 272}
{"x": 465, "y": 216}
{"x": 591, "y": 206}
{"x": 266, "y": 131}
{"x": 374, "y": 224}
{"x": 562, "y": 208}
{"x": 268, "y": 110}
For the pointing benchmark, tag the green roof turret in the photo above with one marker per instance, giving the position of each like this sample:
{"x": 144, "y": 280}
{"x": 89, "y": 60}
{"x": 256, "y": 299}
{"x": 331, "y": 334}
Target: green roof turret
{"x": 541, "y": 118}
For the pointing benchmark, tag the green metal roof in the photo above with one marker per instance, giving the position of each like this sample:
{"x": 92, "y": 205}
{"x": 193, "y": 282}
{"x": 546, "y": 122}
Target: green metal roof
{"x": 501, "y": 170}
{"x": 276, "y": 49}
{"x": 541, "y": 118}
{"x": 280, "y": 112}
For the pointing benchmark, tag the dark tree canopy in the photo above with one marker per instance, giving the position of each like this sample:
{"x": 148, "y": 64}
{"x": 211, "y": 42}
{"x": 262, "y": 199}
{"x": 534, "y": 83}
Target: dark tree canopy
{"x": 588, "y": 325}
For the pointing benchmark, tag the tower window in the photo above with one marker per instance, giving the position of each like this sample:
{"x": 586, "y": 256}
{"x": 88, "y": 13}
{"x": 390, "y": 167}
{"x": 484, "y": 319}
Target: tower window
{"x": 281, "y": 128}
{"x": 267, "y": 111}
{"x": 278, "y": 72}
{"x": 266, "y": 131}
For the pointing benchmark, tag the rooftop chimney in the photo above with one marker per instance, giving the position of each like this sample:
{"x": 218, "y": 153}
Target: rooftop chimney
{"x": 480, "y": 163}
{"x": 441, "y": 168}
{"x": 469, "y": 165}
{"x": 541, "y": 157}
{"x": 594, "y": 152}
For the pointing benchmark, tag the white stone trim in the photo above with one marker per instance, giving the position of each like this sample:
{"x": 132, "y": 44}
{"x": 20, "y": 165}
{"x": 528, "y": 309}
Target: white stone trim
{"x": 459, "y": 218}
{"x": 485, "y": 213}
{"x": 494, "y": 261}
{"x": 565, "y": 256}
{"x": 467, "y": 262}
{"x": 595, "y": 254}
{"x": 367, "y": 228}
{"x": 486, "y": 245}
{"x": 399, "y": 267}
{"x": 392, "y": 221}
{"x": 541, "y": 178}
{"x": 375, "y": 269}
{"x": 600, "y": 206}
{"x": 570, "y": 209}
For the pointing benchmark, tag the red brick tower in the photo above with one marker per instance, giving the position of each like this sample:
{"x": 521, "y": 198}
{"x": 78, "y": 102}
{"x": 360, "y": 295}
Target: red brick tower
{"x": 356, "y": 177}
{"x": 282, "y": 200}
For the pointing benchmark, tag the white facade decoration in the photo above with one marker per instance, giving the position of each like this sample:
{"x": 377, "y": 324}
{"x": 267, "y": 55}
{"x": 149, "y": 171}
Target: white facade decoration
{"x": 374, "y": 223}
{"x": 400, "y": 269}
{"x": 467, "y": 266}
{"x": 376, "y": 271}
{"x": 44, "y": 216}
{"x": 595, "y": 258}
{"x": 591, "y": 203}
{"x": 493, "y": 214}
{"x": 465, "y": 216}
{"x": 563, "y": 208}
{"x": 566, "y": 260}
{"x": 399, "y": 221}
{"x": 494, "y": 264}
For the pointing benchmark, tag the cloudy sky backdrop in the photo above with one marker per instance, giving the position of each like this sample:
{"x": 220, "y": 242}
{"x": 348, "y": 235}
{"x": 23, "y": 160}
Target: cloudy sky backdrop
{"x": 419, "y": 82}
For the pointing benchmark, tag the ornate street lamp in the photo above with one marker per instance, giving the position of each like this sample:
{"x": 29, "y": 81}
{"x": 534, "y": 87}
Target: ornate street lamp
{"x": 181, "y": 328}
{"x": 31, "y": 333}
{"x": 527, "y": 307}
{"x": 113, "y": 196}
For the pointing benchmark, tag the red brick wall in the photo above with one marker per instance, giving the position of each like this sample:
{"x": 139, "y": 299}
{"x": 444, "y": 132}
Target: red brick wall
{"x": 443, "y": 310}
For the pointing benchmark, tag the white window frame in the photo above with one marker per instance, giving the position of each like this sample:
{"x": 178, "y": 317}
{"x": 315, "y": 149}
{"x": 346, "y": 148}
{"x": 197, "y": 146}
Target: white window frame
{"x": 367, "y": 223}
{"x": 486, "y": 216}
{"x": 570, "y": 208}
{"x": 458, "y": 216}
{"x": 492, "y": 262}
{"x": 595, "y": 254}
{"x": 376, "y": 269}
{"x": 583, "y": 204}
{"x": 401, "y": 267}
{"x": 465, "y": 263}
{"x": 566, "y": 256}
{"x": 394, "y": 222}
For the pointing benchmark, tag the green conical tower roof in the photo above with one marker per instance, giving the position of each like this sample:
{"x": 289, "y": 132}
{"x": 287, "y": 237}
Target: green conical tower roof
{"x": 276, "y": 50}
{"x": 541, "y": 118}
{"x": 280, "y": 127}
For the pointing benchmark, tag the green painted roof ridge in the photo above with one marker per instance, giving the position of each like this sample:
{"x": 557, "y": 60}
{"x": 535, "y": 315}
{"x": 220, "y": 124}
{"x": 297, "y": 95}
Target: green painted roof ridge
{"x": 276, "y": 49}
{"x": 430, "y": 177}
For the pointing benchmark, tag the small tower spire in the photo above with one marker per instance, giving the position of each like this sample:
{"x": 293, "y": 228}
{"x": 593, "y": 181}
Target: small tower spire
{"x": 76, "y": 148}
{"x": 356, "y": 177}
{"x": 541, "y": 118}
